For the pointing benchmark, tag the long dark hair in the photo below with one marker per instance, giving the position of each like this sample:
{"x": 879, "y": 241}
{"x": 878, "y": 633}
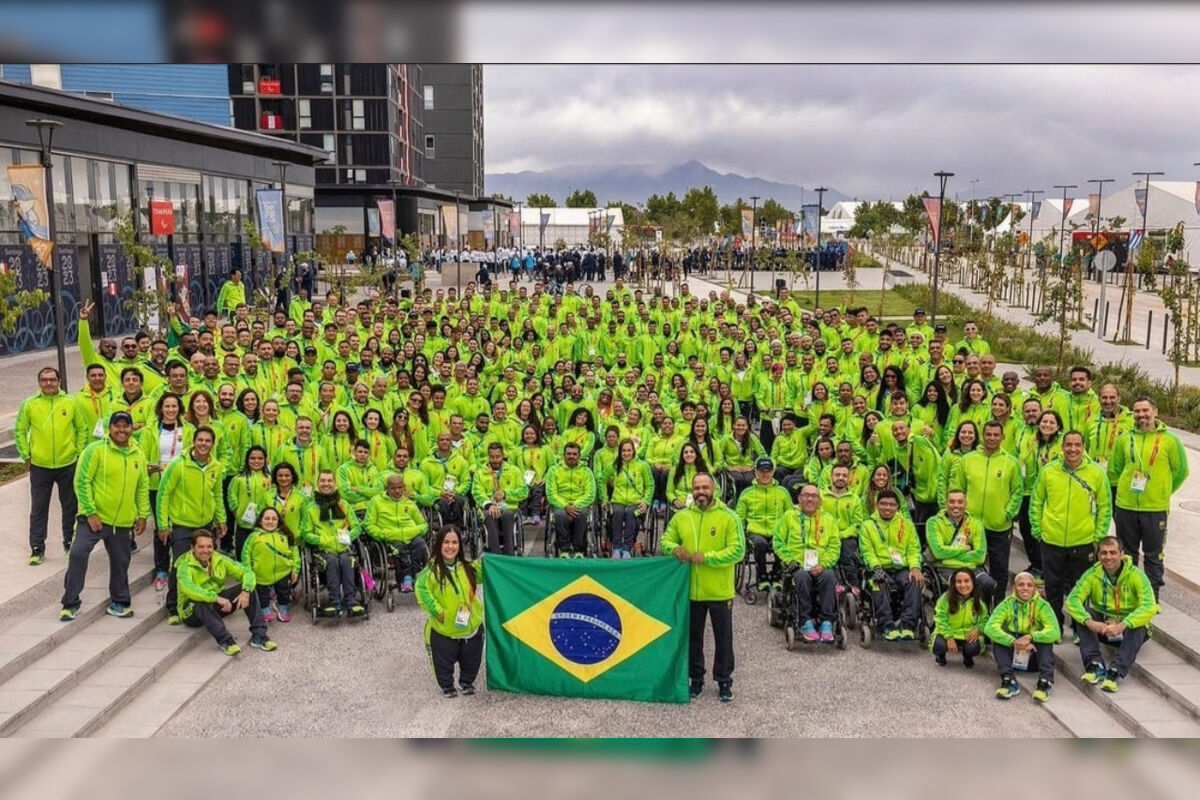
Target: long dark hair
{"x": 681, "y": 467}
{"x": 437, "y": 564}
{"x": 941, "y": 403}
{"x": 953, "y": 601}
{"x": 283, "y": 526}
{"x": 964, "y": 393}
{"x": 246, "y": 462}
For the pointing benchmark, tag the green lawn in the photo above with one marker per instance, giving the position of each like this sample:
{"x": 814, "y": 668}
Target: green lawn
{"x": 10, "y": 472}
{"x": 893, "y": 304}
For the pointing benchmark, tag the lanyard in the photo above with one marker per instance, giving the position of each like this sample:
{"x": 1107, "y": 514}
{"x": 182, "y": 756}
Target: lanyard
{"x": 816, "y": 533}
{"x": 1112, "y": 436}
{"x": 1153, "y": 453}
{"x": 883, "y": 538}
{"x": 1106, "y": 586}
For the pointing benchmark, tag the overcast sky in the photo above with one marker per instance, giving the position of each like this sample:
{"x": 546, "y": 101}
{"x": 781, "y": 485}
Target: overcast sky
{"x": 866, "y": 130}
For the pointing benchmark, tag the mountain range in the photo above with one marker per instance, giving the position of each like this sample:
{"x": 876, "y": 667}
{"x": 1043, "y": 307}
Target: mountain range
{"x": 633, "y": 183}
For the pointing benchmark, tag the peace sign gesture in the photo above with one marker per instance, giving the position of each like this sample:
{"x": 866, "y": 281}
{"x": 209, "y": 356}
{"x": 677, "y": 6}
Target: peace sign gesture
{"x": 86, "y": 309}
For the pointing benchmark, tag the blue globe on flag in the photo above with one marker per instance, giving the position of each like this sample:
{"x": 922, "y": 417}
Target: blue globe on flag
{"x": 585, "y": 628}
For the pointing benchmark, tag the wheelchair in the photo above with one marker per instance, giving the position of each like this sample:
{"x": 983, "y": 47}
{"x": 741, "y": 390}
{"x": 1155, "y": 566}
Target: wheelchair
{"x": 868, "y": 616}
{"x": 649, "y": 531}
{"x": 591, "y": 536}
{"x": 312, "y": 578}
{"x": 476, "y": 534}
{"x": 781, "y": 613}
{"x": 745, "y": 574}
{"x": 378, "y": 561}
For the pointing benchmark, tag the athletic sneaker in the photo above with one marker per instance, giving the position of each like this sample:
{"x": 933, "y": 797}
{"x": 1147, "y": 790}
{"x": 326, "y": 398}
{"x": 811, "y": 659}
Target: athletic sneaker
{"x": 725, "y": 692}
{"x": 1112, "y": 684}
{"x": 616, "y": 555}
{"x": 695, "y": 688}
{"x": 268, "y": 616}
{"x": 406, "y": 585}
{"x": 1094, "y": 674}
{"x": 764, "y": 586}
{"x": 118, "y": 610}
{"x": 808, "y": 633}
{"x": 160, "y": 581}
{"x": 68, "y": 614}
{"x": 467, "y": 690}
{"x": 449, "y": 692}
{"x": 331, "y": 611}
{"x": 263, "y": 643}
{"x": 174, "y": 619}
{"x": 231, "y": 649}
{"x": 892, "y": 635}
{"x": 565, "y": 554}
{"x": 1008, "y": 688}
{"x": 577, "y": 555}
{"x": 285, "y": 614}
{"x": 627, "y": 554}
{"x": 907, "y": 634}
{"x": 35, "y": 559}
{"x": 357, "y": 610}
{"x": 1042, "y": 692}
{"x": 827, "y": 632}
{"x": 968, "y": 662}
{"x": 939, "y": 659}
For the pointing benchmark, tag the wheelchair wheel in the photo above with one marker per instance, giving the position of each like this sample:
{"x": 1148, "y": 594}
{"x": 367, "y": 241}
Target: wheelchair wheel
{"x": 865, "y": 635}
{"x": 789, "y": 637}
{"x": 774, "y": 613}
{"x": 848, "y": 610}
{"x": 840, "y": 635}
{"x": 390, "y": 601}
{"x": 750, "y": 594}
{"x": 315, "y": 611}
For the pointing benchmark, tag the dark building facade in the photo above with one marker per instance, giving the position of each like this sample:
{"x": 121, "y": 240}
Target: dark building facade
{"x": 453, "y": 130}
{"x": 107, "y": 162}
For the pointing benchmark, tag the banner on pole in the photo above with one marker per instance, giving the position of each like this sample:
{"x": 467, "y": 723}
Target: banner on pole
{"x": 270, "y": 219}
{"x": 489, "y": 224}
{"x": 1198, "y": 197}
{"x": 162, "y": 217}
{"x": 450, "y": 223}
{"x": 29, "y": 193}
{"x": 811, "y": 218}
{"x": 387, "y": 219}
{"x": 1037, "y": 208}
{"x": 514, "y": 223}
{"x": 1093, "y": 201}
{"x": 1139, "y": 195}
{"x": 372, "y": 222}
{"x": 1070, "y": 201}
{"x": 545, "y": 220}
{"x": 1135, "y": 242}
{"x": 933, "y": 210}
{"x": 609, "y": 218}
{"x": 747, "y": 221}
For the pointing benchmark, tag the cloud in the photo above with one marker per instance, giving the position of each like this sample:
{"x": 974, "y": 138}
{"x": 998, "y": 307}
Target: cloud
{"x": 868, "y": 130}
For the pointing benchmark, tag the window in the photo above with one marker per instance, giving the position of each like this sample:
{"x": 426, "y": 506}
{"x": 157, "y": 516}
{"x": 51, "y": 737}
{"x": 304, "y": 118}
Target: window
{"x": 48, "y": 75}
{"x": 305, "y": 114}
{"x": 327, "y": 79}
{"x": 428, "y": 97}
{"x": 328, "y": 144}
{"x": 356, "y": 176}
{"x": 248, "y": 85}
{"x": 429, "y": 146}
{"x": 358, "y": 116}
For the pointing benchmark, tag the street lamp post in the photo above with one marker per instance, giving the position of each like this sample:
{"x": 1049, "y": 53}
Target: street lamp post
{"x": 1033, "y": 193}
{"x": 458, "y": 239}
{"x": 282, "y": 165}
{"x": 1062, "y": 258}
{"x": 820, "y": 190}
{"x": 942, "y": 176}
{"x": 975, "y": 210}
{"x": 521, "y": 228}
{"x": 753, "y": 238}
{"x": 45, "y": 131}
{"x": 1096, "y": 229}
{"x": 1127, "y": 334}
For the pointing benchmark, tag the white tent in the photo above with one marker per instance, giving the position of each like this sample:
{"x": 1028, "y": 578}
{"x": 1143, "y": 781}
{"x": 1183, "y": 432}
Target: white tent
{"x": 569, "y": 224}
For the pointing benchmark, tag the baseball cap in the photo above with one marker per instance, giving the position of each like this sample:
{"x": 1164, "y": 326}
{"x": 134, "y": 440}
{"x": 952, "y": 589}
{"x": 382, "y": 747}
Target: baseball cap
{"x": 764, "y": 463}
{"x": 918, "y": 311}
{"x": 120, "y": 416}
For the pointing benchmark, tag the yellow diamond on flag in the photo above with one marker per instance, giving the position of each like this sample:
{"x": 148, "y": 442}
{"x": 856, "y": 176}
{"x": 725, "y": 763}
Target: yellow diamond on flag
{"x": 585, "y": 629}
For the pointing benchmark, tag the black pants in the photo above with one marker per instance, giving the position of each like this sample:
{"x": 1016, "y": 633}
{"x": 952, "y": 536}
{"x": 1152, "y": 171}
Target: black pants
{"x": 1144, "y": 532}
{"x": 1062, "y": 568}
{"x": 849, "y": 561}
{"x": 240, "y": 535}
{"x": 500, "y": 538}
{"x": 825, "y": 588}
{"x": 41, "y": 483}
{"x": 570, "y": 535}
{"x": 660, "y": 483}
{"x": 445, "y": 652}
{"x": 410, "y": 558}
{"x": 1033, "y": 548}
{"x": 762, "y": 546}
{"x": 921, "y": 513}
{"x": 721, "y": 612}
{"x": 1042, "y": 659}
{"x": 999, "y": 547}
{"x": 208, "y": 615}
{"x": 624, "y": 526}
{"x": 283, "y": 592}
{"x": 179, "y": 541}
{"x": 967, "y": 649}
{"x": 116, "y": 544}
{"x": 766, "y": 431}
{"x": 1127, "y": 648}
{"x": 910, "y": 601}
{"x": 451, "y": 512}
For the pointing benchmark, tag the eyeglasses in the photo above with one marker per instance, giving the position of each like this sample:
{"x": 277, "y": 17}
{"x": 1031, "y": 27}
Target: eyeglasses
{"x": 959, "y": 362}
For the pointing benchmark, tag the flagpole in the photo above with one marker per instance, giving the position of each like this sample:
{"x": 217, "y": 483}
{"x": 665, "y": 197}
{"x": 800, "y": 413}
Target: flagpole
{"x": 45, "y": 131}
{"x": 1127, "y": 332}
{"x": 1095, "y": 257}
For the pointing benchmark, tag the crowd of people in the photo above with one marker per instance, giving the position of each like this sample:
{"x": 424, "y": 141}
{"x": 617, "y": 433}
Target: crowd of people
{"x": 817, "y": 446}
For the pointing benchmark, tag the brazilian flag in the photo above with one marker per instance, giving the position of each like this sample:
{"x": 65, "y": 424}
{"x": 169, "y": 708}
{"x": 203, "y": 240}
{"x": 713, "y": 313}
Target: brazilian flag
{"x": 587, "y": 628}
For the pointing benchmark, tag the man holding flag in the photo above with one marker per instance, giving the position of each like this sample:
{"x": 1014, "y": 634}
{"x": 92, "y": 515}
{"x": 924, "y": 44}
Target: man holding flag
{"x": 708, "y": 535}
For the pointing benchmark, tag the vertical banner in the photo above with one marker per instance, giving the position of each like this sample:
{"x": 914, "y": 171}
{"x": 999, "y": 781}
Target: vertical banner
{"x": 1093, "y": 201}
{"x": 1135, "y": 242}
{"x": 810, "y": 217}
{"x": 933, "y": 210}
{"x": 747, "y": 221}
{"x": 544, "y": 222}
{"x": 1070, "y": 201}
{"x": 387, "y": 219}
{"x": 464, "y": 226}
{"x": 29, "y": 193}
{"x": 1139, "y": 195}
{"x": 372, "y": 222}
{"x": 1037, "y": 208}
{"x": 514, "y": 223}
{"x": 1198, "y": 197}
{"x": 183, "y": 293}
{"x": 270, "y": 218}
{"x": 610, "y": 217}
{"x": 162, "y": 217}
{"x": 450, "y": 224}
{"x": 489, "y": 224}
{"x": 150, "y": 285}
{"x": 593, "y": 222}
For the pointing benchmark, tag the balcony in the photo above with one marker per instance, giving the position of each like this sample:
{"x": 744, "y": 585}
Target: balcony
{"x": 270, "y": 86}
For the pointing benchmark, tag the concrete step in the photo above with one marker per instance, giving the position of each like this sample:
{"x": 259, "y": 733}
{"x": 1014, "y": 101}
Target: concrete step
{"x": 1138, "y": 706}
{"x": 105, "y": 692}
{"x": 1075, "y": 712}
{"x": 1170, "y": 675}
{"x": 1179, "y": 633}
{"x": 144, "y": 715}
{"x": 41, "y": 632}
{"x": 71, "y": 660}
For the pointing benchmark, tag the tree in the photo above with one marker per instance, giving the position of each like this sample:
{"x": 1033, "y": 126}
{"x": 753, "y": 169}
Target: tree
{"x": 771, "y": 212}
{"x": 17, "y": 300}
{"x": 702, "y": 207}
{"x": 1180, "y": 293}
{"x": 730, "y": 217}
{"x": 630, "y": 213}
{"x": 145, "y": 303}
{"x": 538, "y": 200}
{"x": 582, "y": 198}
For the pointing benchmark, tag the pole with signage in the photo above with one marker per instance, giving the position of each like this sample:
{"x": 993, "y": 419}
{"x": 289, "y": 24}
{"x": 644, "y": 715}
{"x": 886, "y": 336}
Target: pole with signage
{"x": 45, "y": 131}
